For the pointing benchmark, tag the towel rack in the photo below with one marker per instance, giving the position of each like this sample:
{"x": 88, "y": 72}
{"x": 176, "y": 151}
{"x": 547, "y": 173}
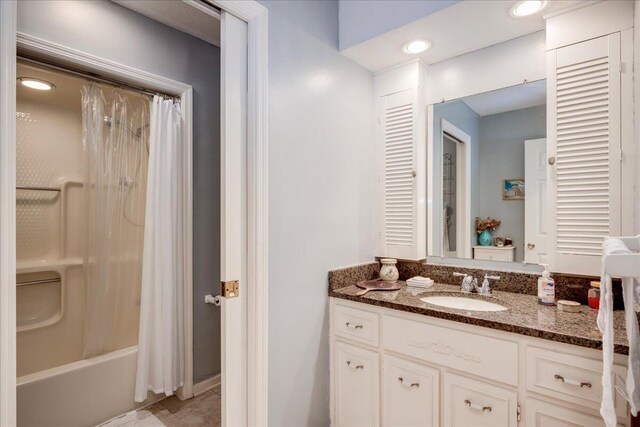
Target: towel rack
{"x": 625, "y": 265}
{"x": 57, "y": 190}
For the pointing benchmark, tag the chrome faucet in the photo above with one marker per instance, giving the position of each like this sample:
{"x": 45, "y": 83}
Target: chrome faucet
{"x": 468, "y": 282}
{"x": 485, "y": 289}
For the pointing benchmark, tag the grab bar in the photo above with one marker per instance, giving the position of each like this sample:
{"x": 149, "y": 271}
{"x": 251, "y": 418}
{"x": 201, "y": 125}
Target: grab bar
{"x": 38, "y": 282}
{"x": 57, "y": 190}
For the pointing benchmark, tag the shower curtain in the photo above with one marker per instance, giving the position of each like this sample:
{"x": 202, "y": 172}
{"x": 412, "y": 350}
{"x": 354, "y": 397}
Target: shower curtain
{"x": 114, "y": 186}
{"x": 161, "y": 336}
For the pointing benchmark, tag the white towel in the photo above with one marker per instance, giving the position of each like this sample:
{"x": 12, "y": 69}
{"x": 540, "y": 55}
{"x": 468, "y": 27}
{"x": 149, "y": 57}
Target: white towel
{"x": 630, "y": 288}
{"x": 420, "y": 282}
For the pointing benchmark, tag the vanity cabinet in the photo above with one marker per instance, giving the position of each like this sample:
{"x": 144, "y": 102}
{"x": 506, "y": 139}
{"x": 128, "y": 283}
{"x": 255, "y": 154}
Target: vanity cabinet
{"x": 357, "y": 382}
{"x": 393, "y": 368}
{"x": 410, "y": 393}
{"x": 476, "y": 403}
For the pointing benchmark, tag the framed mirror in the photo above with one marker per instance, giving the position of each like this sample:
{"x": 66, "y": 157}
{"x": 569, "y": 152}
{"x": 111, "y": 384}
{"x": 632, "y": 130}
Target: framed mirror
{"x": 488, "y": 170}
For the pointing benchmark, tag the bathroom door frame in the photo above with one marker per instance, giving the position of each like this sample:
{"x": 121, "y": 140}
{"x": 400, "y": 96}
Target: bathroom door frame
{"x": 254, "y": 390}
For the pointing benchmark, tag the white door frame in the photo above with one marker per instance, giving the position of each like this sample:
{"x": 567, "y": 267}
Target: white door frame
{"x": 463, "y": 183}
{"x": 256, "y": 287}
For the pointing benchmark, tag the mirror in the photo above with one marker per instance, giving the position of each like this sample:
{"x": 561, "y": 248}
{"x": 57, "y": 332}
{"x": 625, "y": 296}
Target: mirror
{"x": 488, "y": 167}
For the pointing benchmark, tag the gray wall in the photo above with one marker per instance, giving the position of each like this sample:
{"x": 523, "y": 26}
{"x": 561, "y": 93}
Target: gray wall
{"x": 361, "y": 20}
{"x": 110, "y": 31}
{"x": 501, "y": 157}
{"x": 320, "y": 197}
{"x": 464, "y": 118}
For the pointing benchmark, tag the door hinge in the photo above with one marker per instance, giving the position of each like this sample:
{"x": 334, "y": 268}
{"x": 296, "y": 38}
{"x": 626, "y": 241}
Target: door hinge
{"x": 518, "y": 413}
{"x": 621, "y": 67}
{"x": 230, "y": 289}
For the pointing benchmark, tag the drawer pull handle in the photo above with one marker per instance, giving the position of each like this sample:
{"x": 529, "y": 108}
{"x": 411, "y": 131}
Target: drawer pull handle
{"x": 353, "y": 326}
{"x": 477, "y": 407}
{"x": 355, "y": 367}
{"x": 572, "y": 382}
{"x": 408, "y": 384}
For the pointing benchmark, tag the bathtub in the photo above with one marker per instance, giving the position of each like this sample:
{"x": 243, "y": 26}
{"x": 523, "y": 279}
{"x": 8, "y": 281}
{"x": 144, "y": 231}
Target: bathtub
{"x": 83, "y": 393}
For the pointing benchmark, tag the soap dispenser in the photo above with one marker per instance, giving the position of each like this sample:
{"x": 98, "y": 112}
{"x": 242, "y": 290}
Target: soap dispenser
{"x": 546, "y": 288}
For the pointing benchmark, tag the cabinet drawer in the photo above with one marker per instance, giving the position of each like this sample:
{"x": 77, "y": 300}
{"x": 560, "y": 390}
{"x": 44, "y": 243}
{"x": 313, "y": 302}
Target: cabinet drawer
{"x": 469, "y": 352}
{"x": 570, "y": 377}
{"x": 357, "y": 325}
{"x": 357, "y": 379}
{"x": 411, "y": 393}
{"x": 543, "y": 414}
{"x": 474, "y": 403}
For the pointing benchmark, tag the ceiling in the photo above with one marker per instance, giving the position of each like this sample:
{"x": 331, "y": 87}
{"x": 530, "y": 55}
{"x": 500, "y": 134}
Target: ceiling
{"x": 458, "y": 29}
{"x": 511, "y": 98}
{"x": 186, "y": 16}
{"x": 66, "y": 93}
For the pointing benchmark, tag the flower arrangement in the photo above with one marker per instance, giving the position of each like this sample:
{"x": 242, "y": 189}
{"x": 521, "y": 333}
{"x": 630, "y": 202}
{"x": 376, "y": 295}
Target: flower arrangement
{"x": 486, "y": 224}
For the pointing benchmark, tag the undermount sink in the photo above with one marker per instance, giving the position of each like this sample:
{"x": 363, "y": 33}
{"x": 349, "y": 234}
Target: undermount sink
{"x": 463, "y": 303}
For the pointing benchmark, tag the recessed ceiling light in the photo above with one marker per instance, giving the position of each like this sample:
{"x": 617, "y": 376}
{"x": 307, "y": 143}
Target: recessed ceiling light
{"x": 416, "y": 46}
{"x": 36, "y": 84}
{"x": 527, "y": 7}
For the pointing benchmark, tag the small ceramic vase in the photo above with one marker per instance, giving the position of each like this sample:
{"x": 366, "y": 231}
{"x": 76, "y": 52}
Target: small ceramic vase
{"x": 485, "y": 238}
{"x": 389, "y": 271}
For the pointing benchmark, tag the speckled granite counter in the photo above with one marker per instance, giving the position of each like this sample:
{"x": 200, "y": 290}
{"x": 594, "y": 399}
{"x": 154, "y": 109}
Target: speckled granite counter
{"x": 524, "y": 315}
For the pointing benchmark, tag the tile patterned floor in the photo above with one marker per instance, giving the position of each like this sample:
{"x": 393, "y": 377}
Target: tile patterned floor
{"x": 200, "y": 411}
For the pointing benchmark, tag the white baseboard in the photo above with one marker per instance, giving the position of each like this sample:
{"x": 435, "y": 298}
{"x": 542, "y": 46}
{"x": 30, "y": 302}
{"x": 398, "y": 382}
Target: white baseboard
{"x": 206, "y": 385}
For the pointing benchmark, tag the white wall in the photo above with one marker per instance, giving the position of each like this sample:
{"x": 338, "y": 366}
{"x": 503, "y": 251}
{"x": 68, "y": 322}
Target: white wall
{"x": 494, "y": 67}
{"x": 361, "y": 20}
{"x": 320, "y": 197}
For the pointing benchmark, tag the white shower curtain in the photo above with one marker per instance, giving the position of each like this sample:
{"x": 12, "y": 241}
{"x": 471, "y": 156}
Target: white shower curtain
{"x": 161, "y": 336}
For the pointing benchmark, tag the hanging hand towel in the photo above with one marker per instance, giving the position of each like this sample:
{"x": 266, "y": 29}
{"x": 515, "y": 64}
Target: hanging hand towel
{"x": 605, "y": 324}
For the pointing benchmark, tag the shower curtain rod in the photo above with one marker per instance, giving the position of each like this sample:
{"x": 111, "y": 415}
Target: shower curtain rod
{"x": 93, "y": 77}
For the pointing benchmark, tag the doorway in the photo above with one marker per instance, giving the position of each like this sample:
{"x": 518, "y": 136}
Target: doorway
{"x": 252, "y": 387}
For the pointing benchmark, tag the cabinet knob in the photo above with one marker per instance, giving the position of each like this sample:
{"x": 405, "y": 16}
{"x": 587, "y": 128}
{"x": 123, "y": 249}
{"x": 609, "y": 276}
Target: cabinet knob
{"x": 531, "y": 245}
{"x": 552, "y": 160}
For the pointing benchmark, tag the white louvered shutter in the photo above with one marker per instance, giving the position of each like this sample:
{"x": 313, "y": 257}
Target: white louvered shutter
{"x": 399, "y": 150}
{"x": 585, "y": 142}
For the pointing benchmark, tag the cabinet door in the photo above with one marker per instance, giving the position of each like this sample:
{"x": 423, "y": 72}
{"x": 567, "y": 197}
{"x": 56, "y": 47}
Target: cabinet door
{"x": 410, "y": 393}
{"x": 471, "y": 403}
{"x": 584, "y": 149}
{"x": 400, "y": 170}
{"x": 357, "y": 386}
{"x": 542, "y": 414}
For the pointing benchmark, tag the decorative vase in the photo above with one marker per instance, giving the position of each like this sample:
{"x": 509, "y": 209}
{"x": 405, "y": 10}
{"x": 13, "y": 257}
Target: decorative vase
{"x": 485, "y": 238}
{"x": 389, "y": 271}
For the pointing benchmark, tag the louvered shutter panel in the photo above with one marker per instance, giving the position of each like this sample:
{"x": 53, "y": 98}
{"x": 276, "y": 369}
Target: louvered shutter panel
{"x": 400, "y": 235}
{"x": 586, "y": 139}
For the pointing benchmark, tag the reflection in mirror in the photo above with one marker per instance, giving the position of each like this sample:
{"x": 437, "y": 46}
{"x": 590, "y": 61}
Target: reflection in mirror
{"x": 488, "y": 162}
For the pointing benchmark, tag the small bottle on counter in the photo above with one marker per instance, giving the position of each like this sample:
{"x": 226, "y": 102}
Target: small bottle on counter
{"x": 593, "y": 296}
{"x": 546, "y": 288}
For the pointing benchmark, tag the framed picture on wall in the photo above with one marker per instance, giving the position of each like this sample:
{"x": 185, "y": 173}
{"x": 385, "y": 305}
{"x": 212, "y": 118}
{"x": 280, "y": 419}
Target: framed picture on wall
{"x": 513, "y": 189}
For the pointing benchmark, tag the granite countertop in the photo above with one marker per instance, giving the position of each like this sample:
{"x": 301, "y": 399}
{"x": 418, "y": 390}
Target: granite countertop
{"x": 524, "y": 315}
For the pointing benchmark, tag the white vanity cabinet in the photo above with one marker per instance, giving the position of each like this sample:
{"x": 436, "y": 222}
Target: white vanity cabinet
{"x": 393, "y": 368}
{"x": 410, "y": 393}
{"x": 357, "y": 381}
